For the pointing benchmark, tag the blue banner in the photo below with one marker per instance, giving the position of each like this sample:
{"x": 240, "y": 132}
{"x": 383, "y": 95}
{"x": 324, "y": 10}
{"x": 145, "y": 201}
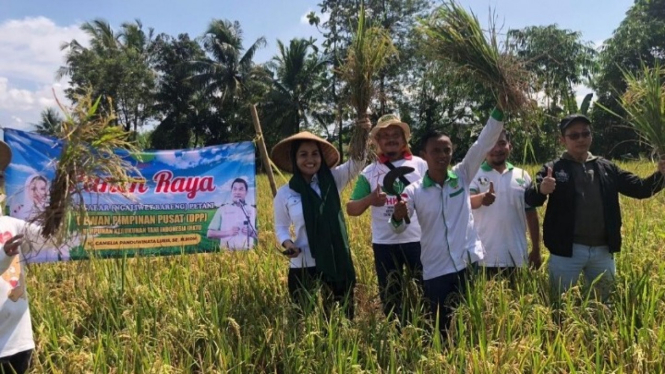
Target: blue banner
{"x": 194, "y": 200}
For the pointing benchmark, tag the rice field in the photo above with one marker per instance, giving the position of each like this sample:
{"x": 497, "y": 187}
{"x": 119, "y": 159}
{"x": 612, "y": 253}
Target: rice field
{"x": 230, "y": 312}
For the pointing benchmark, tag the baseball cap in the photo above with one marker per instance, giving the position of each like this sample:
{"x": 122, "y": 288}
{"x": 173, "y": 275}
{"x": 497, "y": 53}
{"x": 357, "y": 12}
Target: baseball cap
{"x": 566, "y": 121}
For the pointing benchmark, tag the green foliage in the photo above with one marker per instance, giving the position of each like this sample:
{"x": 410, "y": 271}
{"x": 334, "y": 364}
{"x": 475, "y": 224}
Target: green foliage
{"x": 183, "y": 109}
{"x": 116, "y": 66}
{"x": 50, "y": 122}
{"x": 298, "y": 88}
{"x": 558, "y": 59}
{"x": 639, "y": 39}
{"x": 644, "y": 105}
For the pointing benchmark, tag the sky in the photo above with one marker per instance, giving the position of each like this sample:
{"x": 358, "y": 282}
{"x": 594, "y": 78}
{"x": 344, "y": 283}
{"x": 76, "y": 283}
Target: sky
{"x": 31, "y": 32}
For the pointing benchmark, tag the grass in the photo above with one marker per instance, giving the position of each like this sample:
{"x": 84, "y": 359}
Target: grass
{"x": 230, "y": 312}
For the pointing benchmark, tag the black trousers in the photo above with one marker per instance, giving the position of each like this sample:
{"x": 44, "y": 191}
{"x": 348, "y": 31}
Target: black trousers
{"x": 396, "y": 265}
{"x": 443, "y": 293}
{"x": 18, "y": 363}
{"x": 304, "y": 282}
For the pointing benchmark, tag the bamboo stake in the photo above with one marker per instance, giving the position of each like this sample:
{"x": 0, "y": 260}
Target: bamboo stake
{"x": 262, "y": 149}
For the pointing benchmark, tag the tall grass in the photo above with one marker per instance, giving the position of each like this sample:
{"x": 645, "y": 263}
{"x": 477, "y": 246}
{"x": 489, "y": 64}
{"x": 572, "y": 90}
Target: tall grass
{"x": 230, "y": 312}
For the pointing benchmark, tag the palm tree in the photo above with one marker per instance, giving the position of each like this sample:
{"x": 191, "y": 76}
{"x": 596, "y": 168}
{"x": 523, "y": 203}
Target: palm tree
{"x": 49, "y": 124}
{"x": 227, "y": 70}
{"x": 297, "y": 86}
{"x": 116, "y": 66}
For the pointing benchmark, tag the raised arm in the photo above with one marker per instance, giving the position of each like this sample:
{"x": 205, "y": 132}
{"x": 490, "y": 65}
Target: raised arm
{"x": 344, "y": 174}
{"x": 486, "y": 140}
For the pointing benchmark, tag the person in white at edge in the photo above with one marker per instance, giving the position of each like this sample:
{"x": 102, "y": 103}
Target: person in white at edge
{"x": 450, "y": 243}
{"x": 500, "y": 214}
{"x": 233, "y": 224}
{"x": 310, "y": 202}
{"x": 396, "y": 256}
{"x": 17, "y": 238}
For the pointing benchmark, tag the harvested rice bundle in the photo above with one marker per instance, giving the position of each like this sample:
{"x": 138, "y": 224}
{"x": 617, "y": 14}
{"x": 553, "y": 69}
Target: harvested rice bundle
{"x": 644, "y": 104}
{"x": 369, "y": 52}
{"x": 89, "y": 141}
{"x": 455, "y": 35}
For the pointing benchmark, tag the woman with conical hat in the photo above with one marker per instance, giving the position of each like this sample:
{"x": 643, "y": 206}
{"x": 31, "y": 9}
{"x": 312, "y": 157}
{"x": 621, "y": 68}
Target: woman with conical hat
{"x": 319, "y": 253}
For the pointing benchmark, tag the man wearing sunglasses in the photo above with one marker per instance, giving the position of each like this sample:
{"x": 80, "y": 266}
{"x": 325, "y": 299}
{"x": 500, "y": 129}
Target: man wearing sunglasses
{"x": 582, "y": 226}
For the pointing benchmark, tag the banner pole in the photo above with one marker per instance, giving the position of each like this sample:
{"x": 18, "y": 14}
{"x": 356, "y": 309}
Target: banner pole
{"x": 262, "y": 149}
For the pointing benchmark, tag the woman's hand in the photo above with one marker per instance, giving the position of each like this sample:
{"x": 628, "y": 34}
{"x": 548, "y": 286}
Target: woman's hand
{"x": 11, "y": 246}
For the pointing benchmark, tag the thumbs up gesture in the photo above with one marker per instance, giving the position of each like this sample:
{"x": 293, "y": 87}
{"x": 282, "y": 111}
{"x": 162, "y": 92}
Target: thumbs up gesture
{"x": 489, "y": 196}
{"x": 548, "y": 184}
{"x": 377, "y": 197}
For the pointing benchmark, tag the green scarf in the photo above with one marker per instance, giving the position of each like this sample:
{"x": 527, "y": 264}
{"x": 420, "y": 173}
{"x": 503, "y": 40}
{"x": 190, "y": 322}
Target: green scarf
{"x": 325, "y": 226}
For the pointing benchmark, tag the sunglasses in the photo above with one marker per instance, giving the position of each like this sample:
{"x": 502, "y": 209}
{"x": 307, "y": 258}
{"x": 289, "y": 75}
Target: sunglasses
{"x": 577, "y": 135}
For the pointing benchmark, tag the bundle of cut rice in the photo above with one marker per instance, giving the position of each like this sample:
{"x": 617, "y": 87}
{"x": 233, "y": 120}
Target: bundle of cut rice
{"x": 455, "y": 36}
{"x": 369, "y": 52}
{"x": 644, "y": 104}
{"x": 89, "y": 141}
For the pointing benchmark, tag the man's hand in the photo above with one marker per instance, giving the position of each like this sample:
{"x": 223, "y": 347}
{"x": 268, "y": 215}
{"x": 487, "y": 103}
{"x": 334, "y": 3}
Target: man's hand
{"x": 401, "y": 211}
{"x": 233, "y": 231}
{"x": 489, "y": 196}
{"x": 378, "y": 197}
{"x": 11, "y": 246}
{"x": 535, "y": 261}
{"x": 548, "y": 184}
{"x": 661, "y": 165}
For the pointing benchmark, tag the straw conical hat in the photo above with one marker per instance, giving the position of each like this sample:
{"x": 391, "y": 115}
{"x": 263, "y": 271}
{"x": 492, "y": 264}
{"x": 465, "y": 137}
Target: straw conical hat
{"x": 281, "y": 152}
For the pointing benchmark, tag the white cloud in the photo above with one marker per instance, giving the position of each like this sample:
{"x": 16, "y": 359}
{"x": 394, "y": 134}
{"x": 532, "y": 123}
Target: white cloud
{"x": 245, "y": 158}
{"x": 30, "y": 47}
{"x": 24, "y": 168}
{"x": 30, "y": 50}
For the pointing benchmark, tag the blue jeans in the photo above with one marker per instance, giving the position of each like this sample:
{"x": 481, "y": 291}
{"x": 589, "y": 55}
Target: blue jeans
{"x": 597, "y": 264}
{"x": 395, "y": 265}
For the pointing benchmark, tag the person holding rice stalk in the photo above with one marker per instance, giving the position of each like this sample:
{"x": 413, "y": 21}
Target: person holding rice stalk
{"x": 396, "y": 257}
{"x": 18, "y": 238}
{"x": 582, "y": 226}
{"x": 319, "y": 253}
{"x": 450, "y": 243}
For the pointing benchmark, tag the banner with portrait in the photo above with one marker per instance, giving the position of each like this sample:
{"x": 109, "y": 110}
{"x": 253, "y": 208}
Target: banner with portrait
{"x": 185, "y": 201}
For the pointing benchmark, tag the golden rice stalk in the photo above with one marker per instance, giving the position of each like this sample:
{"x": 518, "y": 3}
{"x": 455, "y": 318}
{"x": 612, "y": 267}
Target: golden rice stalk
{"x": 90, "y": 138}
{"x": 370, "y": 50}
{"x": 644, "y": 104}
{"x": 454, "y": 35}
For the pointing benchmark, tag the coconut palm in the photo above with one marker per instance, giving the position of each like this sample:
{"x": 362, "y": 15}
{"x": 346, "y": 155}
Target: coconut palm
{"x": 297, "y": 85}
{"x": 228, "y": 68}
{"x": 49, "y": 123}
